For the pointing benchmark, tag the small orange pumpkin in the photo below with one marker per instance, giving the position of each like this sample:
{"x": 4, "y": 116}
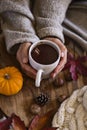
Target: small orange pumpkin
{"x": 11, "y": 81}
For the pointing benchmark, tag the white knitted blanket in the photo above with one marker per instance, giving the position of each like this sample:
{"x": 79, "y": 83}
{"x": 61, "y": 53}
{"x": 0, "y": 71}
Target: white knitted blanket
{"x": 72, "y": 114}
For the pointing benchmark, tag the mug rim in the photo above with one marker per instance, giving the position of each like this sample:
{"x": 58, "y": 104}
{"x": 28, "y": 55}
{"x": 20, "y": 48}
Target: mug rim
{"x": 38, "y": 43}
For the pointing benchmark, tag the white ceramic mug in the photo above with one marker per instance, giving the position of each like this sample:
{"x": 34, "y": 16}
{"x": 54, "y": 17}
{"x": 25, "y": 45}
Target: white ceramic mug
{"x": 43, "y": 71}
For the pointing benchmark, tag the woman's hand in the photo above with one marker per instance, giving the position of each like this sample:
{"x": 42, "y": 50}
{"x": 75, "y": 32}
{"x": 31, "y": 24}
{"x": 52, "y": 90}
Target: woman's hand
{"x": 63, "y": 56}
{"x": 23, "y": 59}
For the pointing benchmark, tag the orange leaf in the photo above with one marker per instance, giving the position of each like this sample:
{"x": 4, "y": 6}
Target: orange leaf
{"x": 17, "y": 123}
{"x": 40, "y": 122}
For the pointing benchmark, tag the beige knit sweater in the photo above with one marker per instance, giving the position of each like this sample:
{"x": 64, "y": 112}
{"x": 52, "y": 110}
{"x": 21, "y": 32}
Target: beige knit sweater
{"x": 22, "y": 22}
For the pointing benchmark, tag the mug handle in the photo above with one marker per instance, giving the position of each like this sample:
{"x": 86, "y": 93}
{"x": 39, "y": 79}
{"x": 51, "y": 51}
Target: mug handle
{"x": 38, "y": 78}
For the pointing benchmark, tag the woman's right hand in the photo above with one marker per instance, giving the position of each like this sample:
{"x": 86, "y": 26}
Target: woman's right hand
{"x": 23, "y": 59}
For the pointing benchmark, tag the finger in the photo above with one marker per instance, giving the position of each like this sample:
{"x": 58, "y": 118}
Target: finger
{"x": 29, "y": 70}
{"x": 25, "y": 51}
{"x": 30, "y": 75}
{"x": 63, "y": 49}
{"x": 60, "y": 66}
{"x": 54, "y": 73}
{"x": 58, "y": 42}
{"x": 62, "y": 63}
{"x": 22, "y": 57}
{"x": 22, "y": 53}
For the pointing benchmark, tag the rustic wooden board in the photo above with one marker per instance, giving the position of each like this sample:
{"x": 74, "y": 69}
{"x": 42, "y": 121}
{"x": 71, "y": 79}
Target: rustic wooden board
{"x": 20, "y": 103}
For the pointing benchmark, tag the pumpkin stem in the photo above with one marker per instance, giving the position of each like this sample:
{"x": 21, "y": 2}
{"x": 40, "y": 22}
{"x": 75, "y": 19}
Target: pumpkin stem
{"x": 7, "y": 76}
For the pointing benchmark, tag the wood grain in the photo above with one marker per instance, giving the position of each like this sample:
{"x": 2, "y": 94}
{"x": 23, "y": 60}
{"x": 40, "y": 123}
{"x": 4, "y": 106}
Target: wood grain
{"x": 20, "y": 103}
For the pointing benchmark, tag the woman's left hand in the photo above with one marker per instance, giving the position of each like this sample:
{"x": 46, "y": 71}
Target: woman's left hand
{"x": 63, "y": 56}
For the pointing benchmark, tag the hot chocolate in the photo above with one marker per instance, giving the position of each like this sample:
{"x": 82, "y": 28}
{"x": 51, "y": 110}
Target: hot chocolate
{"x": 44, "y": 54}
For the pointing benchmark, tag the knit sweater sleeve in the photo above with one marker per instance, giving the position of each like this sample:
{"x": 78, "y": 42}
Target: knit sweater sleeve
{"x": 49, "y": 15}
{"x": 17, "y": 22}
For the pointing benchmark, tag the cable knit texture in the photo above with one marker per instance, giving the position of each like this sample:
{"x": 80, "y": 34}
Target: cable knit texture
{"x": 17, "y": 22}
{"x": 72, "y": 114}
{"x": 20, "y": 25}
{"x": 49, "y": 16}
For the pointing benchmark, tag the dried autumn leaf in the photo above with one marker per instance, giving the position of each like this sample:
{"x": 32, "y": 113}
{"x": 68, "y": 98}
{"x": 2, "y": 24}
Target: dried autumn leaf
{"x": 13, "y": 121}
{"x": 40, "y": 122}
{"x": 76, "y": 65}
{"x": 73, "y": 71}
{"x": 5, "y": 124}
{"x": 17, "y": 123}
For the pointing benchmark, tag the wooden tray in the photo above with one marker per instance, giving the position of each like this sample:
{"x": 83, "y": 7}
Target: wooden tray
{"x": 20, "y": 103}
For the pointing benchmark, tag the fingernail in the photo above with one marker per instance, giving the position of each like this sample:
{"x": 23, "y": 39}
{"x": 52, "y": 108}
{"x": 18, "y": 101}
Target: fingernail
{"x": 54, "y": 75}
{"x": 24, "y": 60}
{"x": 62, "y": 54}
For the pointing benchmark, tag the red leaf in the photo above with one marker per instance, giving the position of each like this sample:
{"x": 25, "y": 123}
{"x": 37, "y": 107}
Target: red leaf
{"x": 73, "y": 71}
{"x": 67, "y": 66}
{"x": 34, "y": 122}
{"x": 70, "y": 56}
{"x": 74, "y": 76}
{"x": 76, "y": 66}
{"x": 17, "y": 123}
{"x": 82, "y": 69}
{"x": 40, "y": 122}
{"x": 5, "y": 124}
{"x": 82, "y": 59}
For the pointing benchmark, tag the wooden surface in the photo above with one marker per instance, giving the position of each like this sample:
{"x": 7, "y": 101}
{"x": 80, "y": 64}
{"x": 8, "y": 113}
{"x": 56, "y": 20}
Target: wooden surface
{"x": 21, "y": 103}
